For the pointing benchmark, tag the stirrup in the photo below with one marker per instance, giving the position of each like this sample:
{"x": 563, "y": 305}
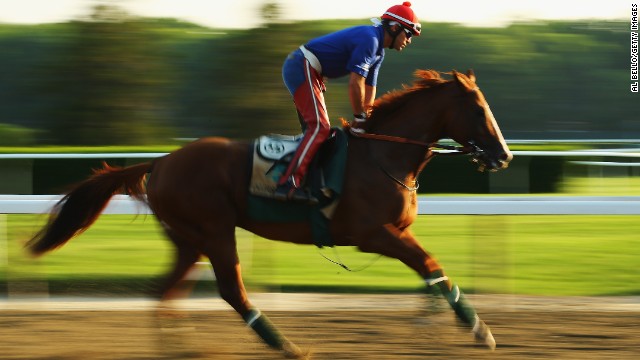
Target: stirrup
{"x": 289, "y": 192}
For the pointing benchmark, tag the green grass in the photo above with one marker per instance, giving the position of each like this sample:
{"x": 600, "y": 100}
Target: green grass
{"x": 602, "y": 186}
{"x": 538, "y": 255}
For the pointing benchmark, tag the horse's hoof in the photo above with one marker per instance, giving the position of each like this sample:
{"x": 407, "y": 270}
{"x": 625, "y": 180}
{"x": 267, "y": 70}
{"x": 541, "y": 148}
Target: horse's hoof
{"x": 292, "y": 351}
{"x": 483, "y": 335}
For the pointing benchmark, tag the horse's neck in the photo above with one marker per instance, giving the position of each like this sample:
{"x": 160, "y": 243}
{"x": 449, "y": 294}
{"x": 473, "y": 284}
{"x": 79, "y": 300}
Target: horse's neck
{"x": 417, "y": 122}
{"x": 418, "y": 119}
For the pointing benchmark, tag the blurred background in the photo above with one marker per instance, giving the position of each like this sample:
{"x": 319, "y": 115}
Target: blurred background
{"x": 146, "y": 72}
{"x": 111, "y": 76}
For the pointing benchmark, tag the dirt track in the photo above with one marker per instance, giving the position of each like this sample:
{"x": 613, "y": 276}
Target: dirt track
{"x": 397, "y": 327}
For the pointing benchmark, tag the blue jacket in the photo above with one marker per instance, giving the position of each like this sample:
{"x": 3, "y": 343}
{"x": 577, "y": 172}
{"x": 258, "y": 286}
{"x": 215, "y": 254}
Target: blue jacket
{"x": 357, "y": 49}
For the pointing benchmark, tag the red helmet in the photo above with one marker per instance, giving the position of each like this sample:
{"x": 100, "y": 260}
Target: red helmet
{"x": 404, "y": 16}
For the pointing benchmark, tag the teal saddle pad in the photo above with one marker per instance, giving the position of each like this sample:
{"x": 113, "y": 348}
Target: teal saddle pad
{"x": 325, "y": 181}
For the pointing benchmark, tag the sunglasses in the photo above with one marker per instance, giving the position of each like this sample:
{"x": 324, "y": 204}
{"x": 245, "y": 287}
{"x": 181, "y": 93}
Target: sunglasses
{"x": 408, "y": 32}
{"x": 415, "y": 29}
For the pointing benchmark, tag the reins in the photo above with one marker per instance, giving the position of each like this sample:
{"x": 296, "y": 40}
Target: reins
{"x": 339, "y": 262}
{"x": 455, "y": 150}
{"x": 399, "y": 182}
{"x": 388, "y": 138}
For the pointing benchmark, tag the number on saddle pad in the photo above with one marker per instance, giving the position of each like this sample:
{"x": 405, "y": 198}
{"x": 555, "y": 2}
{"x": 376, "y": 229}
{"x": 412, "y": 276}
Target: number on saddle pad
{"x": 274, "y": 147}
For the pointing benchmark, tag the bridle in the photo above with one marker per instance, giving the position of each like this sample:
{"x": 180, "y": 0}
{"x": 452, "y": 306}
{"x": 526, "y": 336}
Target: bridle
{"x": 469, "y": 149}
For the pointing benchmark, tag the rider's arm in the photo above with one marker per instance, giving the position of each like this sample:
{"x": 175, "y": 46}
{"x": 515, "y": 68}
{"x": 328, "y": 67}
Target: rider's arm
{"x": 360, "y": 94}
{"x": 369, "y": 97}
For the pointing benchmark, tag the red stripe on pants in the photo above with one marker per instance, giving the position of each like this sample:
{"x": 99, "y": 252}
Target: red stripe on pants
{"x": 309, "y": 101}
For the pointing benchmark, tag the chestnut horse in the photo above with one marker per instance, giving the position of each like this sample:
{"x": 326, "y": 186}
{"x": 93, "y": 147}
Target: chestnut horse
{"x": 199, "y": 195}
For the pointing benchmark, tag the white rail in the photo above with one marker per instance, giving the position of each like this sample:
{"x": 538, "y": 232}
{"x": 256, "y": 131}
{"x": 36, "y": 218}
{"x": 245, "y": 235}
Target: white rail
{"x": 434, "y": 205}
{"x": 83, "y": 156}
{"x": 530, "y": 205}
{"x": 627, "y": 153}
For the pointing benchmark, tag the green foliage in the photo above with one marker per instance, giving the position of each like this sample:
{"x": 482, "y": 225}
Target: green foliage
{"x": 112, "y": 77}
{"x": 12, "y": 135}
{"x": 129, "y": 81}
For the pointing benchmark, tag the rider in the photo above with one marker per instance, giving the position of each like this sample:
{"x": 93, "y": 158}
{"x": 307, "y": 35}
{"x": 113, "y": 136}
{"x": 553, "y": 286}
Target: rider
{"x": 358, "y": 52}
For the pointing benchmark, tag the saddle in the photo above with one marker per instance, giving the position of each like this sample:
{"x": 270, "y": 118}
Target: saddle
{"x": 273, "y": 153}
{"x": 271, "y": 157}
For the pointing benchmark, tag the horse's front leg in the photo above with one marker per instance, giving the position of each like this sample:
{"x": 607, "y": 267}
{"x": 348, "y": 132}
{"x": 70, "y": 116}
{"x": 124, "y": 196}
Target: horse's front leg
{"x": 402, "y": 245}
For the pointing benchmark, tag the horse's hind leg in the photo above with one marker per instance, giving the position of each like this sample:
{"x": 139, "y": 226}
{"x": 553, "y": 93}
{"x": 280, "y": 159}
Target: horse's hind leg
{"x": 226, "y": 265}
{"x": 175, "y": 331}
{"x": 185, "y": 257}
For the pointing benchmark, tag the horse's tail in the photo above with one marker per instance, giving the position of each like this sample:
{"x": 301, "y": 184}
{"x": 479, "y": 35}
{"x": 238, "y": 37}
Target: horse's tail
{"x": 80, "y": 208}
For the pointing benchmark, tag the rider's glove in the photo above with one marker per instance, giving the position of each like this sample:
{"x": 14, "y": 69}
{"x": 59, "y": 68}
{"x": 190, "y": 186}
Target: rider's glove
{"x": 358, "y": 121}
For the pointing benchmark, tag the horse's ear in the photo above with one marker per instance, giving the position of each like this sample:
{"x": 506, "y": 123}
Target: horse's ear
{"x": 466, "y": 83}
{"x": 471, "y": 75}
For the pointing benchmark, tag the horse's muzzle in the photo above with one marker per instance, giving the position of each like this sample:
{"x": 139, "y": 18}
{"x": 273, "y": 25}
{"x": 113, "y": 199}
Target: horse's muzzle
{"x": 491, "y": 161}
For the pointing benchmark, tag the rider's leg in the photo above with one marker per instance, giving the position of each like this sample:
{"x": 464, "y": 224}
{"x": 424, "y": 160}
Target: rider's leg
{"x": 309, "y": 101}
{"x": 317, "y": 131}
{"x": 310, "y": 104}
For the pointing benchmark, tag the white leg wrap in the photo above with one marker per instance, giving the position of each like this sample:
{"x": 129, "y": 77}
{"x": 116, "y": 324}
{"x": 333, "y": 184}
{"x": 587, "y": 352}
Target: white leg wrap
{"x": 476, "y": 325}
{"x": 432, "y": 282}
{"x": 456, "y": 292}
{"x": 255, "y": 316}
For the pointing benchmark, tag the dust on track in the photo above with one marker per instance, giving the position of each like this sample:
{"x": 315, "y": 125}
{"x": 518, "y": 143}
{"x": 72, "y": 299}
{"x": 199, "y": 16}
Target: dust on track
{"x": 332, "y": 326}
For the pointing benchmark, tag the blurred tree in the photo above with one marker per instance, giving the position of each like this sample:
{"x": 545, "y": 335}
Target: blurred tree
{"x": 12, "y": 135}
{"x": 240, "y": 90}
{"x": 114, "y": 79}
{"x": 110, "y": 79}
{"x": 271, "y": 13}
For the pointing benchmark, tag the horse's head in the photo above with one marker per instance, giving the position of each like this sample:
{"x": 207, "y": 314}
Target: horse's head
{"x": 434, "y": 108}
{"x": 472, "y": 124}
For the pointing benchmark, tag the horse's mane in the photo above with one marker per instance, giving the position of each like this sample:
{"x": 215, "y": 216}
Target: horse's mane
{"x": 425, "y": 79}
